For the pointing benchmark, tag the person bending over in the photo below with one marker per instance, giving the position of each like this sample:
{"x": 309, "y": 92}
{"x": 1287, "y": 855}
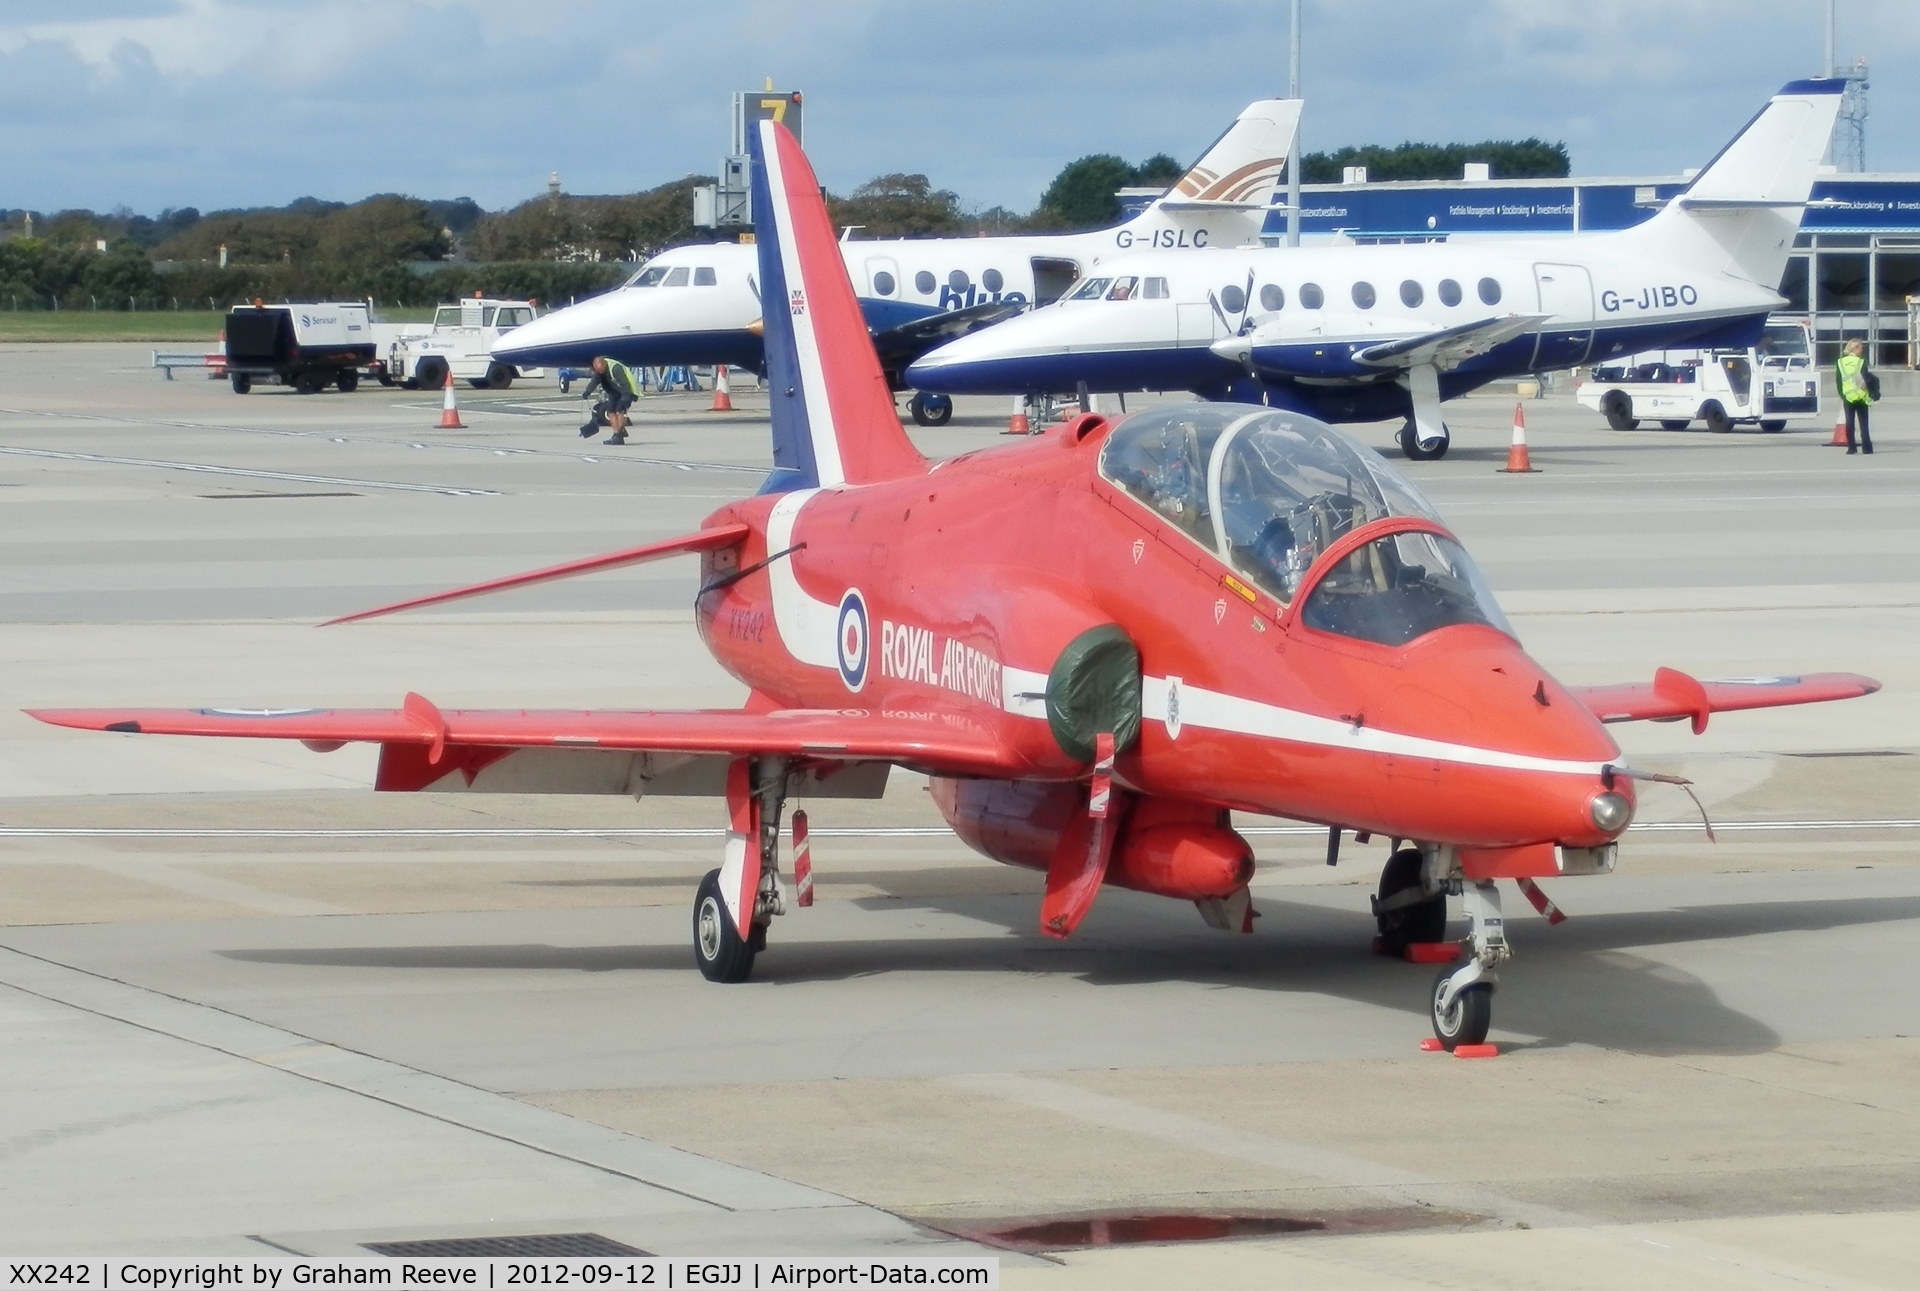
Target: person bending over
{"x": 616, "y": 378}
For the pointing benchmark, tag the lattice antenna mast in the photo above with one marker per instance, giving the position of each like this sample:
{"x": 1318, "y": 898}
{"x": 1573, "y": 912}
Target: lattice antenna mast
{"x": 1850, "y": 129}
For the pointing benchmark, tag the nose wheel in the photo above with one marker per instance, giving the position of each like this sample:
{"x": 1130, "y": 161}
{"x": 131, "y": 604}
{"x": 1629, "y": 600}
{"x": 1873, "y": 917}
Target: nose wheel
{"x": 1466, "y": 1018}
{"x": 1462, "y": 1002}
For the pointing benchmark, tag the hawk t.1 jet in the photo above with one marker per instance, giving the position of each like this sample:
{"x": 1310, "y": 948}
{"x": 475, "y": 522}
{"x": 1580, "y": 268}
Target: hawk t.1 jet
{"x": 1100, "y": 643}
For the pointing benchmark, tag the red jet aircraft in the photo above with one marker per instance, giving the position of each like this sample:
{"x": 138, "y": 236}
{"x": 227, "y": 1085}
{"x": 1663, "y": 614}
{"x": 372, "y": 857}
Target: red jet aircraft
{"x": 1098, "y": 642}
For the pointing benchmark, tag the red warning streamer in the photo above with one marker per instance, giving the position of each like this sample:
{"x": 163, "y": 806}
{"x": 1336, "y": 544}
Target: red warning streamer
{"x": 802, "y": 860}
{"x": 1532, "y": 892}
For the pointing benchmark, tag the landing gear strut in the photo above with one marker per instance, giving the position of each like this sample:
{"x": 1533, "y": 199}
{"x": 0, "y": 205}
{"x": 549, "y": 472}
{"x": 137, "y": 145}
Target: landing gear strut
{"x": 736, "y": 902}
{"x": 1463, "y": 998}
{"x": 1424, "y": 437}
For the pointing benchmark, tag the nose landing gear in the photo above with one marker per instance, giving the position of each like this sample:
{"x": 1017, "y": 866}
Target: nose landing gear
{"x": 1463, "y": 999}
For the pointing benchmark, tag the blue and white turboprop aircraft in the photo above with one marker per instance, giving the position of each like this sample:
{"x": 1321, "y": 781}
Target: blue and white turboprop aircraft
{"x": 1351, "y": 333}
{"x": 701, "y": 304}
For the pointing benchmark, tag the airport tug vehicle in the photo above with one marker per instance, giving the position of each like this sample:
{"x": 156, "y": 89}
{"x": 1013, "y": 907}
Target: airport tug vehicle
{"x": 1764, "y": 384}
{"x": 1098, "y": 642}
{"x": 460, "y": 339}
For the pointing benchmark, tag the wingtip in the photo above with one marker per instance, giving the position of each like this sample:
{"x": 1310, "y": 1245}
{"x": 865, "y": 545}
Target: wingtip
{"x": 82, "y": 719}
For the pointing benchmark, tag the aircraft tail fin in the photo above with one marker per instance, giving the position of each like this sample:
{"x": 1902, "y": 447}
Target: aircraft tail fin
{"x": 833, "y": 415}
{"x": 1247, "y": 164}
{"x": 1741, "y": 212}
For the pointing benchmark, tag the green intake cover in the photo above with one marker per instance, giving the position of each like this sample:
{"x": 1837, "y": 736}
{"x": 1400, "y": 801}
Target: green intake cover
{"x": 1095, "y": 686}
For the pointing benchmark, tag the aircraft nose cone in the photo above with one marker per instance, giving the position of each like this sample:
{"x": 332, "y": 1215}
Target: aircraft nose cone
{"x": 1007, "y": 358}
{"x": 537, "y": 342}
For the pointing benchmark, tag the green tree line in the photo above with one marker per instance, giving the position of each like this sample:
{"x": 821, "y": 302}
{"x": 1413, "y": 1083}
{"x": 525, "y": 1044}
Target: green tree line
{"x": 1505, "y": 158}
{"x": 408, "y": 252}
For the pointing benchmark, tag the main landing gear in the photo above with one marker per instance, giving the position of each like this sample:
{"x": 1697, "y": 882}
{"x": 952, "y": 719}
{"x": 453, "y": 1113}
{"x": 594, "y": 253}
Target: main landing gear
{"x": 930, "y": 409}
{"x": 737, "y": 902}
{"x": 1411, "y": 910}
{"x": 1424, "y": 437}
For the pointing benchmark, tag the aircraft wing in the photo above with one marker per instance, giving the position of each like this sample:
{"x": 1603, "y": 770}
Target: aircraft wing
{"x": 898, "y": 347}
{"x": 1673, "y": 695}
{"x": 1451, "y": 345}
{"x": 420, "y": 736}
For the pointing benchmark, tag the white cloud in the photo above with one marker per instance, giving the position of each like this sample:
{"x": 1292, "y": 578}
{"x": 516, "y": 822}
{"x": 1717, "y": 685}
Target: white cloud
{"x": 221, "y": 102}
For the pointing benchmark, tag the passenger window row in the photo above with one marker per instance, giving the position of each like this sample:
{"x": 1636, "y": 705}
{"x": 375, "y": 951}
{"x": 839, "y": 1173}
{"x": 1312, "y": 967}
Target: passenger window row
{"x": 1273, "y": 297}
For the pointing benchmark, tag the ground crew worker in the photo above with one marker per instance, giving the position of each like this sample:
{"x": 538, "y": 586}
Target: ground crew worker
{"x": 617, "y": 378}
{"x": 1854, "y": 396}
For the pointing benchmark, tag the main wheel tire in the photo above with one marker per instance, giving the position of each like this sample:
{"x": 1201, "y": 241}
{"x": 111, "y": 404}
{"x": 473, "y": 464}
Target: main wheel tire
{"x": 930, "y": 409}
{"x": 348, "y": 380}
{"x": 1425, "y": 922}
{"x": 500, "y": 376}
{"x": 1774, "y": 425}
{"x": 1415, "y": 451}
{"x": 1468, "y": 1021}
{"x": 431, "y": 374}
{"x": 718, "y": 948}
{"x": 308, "y": 382}
{"x": 1619, "y": 411}
{"x": 1674, "y": 423}
{"x": 1716, "y": 417}
{"x": 240, "y": 382}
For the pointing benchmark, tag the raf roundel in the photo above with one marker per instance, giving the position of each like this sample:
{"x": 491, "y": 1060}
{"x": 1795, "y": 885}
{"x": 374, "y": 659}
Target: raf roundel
{"x": 850, "y": 637}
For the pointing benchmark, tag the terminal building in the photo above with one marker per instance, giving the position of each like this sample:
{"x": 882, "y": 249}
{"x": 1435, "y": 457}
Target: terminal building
{"x": 1854, "y": 271}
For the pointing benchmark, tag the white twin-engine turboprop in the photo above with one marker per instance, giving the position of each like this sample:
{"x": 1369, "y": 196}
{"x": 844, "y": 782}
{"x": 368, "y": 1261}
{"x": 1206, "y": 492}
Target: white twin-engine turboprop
{"x": 1368, "y": 333}
{"x": 701, "y": 304}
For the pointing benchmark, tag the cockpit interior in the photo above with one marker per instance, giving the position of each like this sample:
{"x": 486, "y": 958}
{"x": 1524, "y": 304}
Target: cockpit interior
{"x": 1268, "y": 492}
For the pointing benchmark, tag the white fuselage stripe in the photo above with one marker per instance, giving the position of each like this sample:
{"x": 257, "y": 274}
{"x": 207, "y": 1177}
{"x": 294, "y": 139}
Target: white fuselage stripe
{"x": 1214, "y": 711}
{"x": 808, "y": 628}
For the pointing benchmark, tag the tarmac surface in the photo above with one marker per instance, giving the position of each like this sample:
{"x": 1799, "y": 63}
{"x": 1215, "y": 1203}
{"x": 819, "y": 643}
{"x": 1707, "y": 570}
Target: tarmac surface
{"x": 251, "y": 1006}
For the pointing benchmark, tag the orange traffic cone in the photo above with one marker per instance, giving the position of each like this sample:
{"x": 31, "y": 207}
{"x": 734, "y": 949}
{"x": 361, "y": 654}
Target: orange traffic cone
{"x": 449, "y": 409}
{"x": 1018, "y": 423}
{"x": 1839, "y": 439}
{"x": 1518, "y": 463}
{"x": 722, "y": 392}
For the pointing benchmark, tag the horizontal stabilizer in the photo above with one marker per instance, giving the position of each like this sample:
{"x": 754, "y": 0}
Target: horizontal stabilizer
{"x": 945, "y": 742}
{"x": 706, "y": 540}
{"x": 1672, "y": 695}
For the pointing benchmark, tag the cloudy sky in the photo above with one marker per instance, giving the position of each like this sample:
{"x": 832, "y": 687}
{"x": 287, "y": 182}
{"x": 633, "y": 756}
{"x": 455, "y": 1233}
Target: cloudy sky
{"x": 213, "y": 103}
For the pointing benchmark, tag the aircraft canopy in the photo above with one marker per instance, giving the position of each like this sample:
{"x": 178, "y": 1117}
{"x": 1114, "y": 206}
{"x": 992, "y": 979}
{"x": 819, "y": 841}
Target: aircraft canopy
{"x": 1268, "y": 491}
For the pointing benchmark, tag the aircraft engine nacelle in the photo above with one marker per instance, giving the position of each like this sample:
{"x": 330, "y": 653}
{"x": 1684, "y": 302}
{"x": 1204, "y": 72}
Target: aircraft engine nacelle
{"x": 1166, "y": 847}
